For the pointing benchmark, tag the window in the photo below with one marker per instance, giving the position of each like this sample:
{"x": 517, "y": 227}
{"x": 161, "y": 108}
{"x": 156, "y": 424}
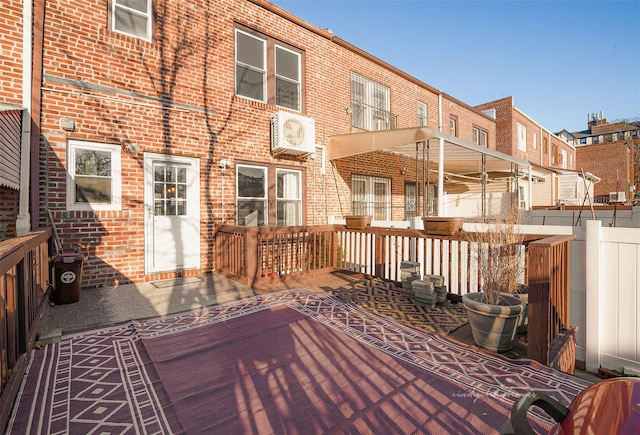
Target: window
{"x": 254, "y": 200}
{"x": 132, "y": 17}
{"x": 453, "y": 126}
{"x": 583, "y": 141}
{"x": 621, "y": 135}
{"x": 371, "y": 196}
{"x": 563, "y": 159}
{"x": 256, "y": 72}
{"x": 422, "y": 114}
{"x": 288, "y": 198}
{"x": 545, "y": 145}
{"x": 595, "y": 139}
{"x": 410, "y": 200}
{"x": 535, "y": 140}
{"x": 170, "y": 190}
{"x": 370, "y": 103}
{"x": 94, "y": 181}
{"x": 480, "y": 136}
{"x": 522, "y": 137}
{"x": 251, "y": 197}
{"x": 554, "y": 155}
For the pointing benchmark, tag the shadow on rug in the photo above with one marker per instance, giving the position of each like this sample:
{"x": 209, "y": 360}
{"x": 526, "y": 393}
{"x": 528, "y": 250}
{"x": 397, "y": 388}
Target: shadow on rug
{"x": 386, "y": 299}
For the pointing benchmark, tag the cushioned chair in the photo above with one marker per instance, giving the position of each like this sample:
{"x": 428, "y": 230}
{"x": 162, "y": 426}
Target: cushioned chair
{"x": 611, "y": 407}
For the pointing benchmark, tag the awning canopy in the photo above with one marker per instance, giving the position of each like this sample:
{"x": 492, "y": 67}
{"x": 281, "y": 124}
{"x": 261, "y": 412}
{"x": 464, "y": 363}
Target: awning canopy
{"x": 460, "y": 157}
{"x": 10, "y": 145}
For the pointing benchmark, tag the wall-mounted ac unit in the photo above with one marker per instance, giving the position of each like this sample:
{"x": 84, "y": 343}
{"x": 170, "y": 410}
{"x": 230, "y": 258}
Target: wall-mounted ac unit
{"x": 292, "y": 134}
{"x": 617, "y": 197}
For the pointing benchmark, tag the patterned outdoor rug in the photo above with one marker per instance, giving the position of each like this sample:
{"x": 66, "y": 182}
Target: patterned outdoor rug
{"x": 287, "y": 362}
{"x": 386, "y": 299}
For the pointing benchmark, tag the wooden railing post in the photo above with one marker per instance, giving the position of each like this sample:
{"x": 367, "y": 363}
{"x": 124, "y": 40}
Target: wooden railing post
{"x": 548, "y": 307}
{"x": 538, "y": 306}
{"x": 253, "y": 257}
{"x": 379, "y": 254}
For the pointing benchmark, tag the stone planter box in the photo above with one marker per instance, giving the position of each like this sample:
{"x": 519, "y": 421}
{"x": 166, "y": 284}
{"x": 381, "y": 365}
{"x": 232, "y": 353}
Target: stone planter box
{"x": 442, "y": 226}
{"x": 357, "y": 222}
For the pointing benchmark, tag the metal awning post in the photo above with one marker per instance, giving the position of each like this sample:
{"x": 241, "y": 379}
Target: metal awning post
{"x": 440, "y": 197}
{"x": 483, "y": 177}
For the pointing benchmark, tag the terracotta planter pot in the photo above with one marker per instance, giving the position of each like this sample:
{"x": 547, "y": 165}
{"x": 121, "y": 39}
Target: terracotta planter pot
{"x": 442, "y": 226}
{"x": 357, "y": 222}
{"x": 493, "y": 326}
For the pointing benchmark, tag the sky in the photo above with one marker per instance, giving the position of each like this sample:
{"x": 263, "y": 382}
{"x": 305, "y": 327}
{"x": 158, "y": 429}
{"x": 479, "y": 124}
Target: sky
{"x": 560, "y": 60}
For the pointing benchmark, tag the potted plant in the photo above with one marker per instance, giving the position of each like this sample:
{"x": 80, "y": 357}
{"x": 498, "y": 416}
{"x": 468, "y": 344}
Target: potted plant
{"x": 495, "y": 311}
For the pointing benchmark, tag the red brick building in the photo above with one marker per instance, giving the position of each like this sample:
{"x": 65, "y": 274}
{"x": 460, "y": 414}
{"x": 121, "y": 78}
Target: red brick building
{"x": 163, "y": 120}
{"x": 610, "y": 150}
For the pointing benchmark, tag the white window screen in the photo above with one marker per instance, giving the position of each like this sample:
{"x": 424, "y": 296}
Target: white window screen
{"x": 132, "y": 17}
{"x": 250, "y": 66}
{"x": 289, "y": 197}
{"x": 251, "y": 197}
{"x": 94, "y": 176}
{"x": 287, "y": 78}
{"x": 422, "y": 114}
{"x": 522, "y": 137}
{"x": 370, "y": 103}
{"x": 371, "y": 196}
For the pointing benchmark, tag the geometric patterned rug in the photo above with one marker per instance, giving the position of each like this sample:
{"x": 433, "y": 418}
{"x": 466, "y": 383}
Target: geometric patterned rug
{"x": 385, "y": 299}
{"x": 288, "y": 362}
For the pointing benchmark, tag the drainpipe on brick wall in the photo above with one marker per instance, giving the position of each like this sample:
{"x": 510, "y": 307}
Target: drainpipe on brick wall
{"x": 440, "y": 111}
{"x": 23, "y": 221}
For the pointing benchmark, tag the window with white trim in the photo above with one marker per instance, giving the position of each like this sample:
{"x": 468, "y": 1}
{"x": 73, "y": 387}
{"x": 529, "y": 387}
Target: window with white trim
{"x": 251, "y": 195}
{"x": 132, "y": 17}
{"x": 288, "y": 197}
{"x": 422, "y": 114}
{"x": 275, "y": 79}
{"x": 370, "y": 104}
{"x": 479, "y": 136}
{"x": 371, "y": 196}
{"x": 94, "y": 176}
{"x": 258, "y": 205}
{"x": 535, "y": 140}
{"x": 453, "y": 125}
{"x": 522, "y": 137}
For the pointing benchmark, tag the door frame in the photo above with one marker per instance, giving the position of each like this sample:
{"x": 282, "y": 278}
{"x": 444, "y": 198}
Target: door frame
{"x": 193, "y": 207}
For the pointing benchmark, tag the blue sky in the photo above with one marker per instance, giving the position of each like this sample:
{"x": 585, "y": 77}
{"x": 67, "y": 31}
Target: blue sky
{"x": 559, "y": 59}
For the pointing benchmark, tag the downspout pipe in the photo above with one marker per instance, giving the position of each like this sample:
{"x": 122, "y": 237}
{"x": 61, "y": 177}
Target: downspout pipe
{"x": 23, "y": 221}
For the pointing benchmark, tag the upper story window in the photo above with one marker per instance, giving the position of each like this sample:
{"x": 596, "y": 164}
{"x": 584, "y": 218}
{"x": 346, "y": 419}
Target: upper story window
{"x": 453, "y": 126}
{"x": 595, "y": 139}
{"x": 370, "y": 104}
{"x": 583, "y": 141}
{"x": 132, "y": 17}
{"x": 545, "y": 145}
{"x": 422, "y": 114}
{"x": 273, "y": 79}
{"x": 535, "y": 140}
{"x": 522, "y": 137}
{"x": 480, "y": 136}
{"x": 555, "y": 157}
{"x": 94, "y": 176}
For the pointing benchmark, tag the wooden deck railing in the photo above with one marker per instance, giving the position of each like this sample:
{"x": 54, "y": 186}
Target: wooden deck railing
{"x": 24, "y": 279}
{"x": 548, "y": 270}
{"x": 253, "y": 253}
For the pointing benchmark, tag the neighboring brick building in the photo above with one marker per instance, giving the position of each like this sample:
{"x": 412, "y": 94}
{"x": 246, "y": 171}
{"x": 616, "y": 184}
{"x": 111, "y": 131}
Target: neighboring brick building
{"x": 609, "y": 150}
{"x": 521, "y": 136}
{"x": 158, "y": 125}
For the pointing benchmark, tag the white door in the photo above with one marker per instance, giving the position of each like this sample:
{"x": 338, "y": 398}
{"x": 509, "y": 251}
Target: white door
{"x": 172, "y": 213}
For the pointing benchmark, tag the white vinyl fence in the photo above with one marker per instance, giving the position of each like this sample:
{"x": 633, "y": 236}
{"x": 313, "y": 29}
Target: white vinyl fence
{"x": 605, "y": 286}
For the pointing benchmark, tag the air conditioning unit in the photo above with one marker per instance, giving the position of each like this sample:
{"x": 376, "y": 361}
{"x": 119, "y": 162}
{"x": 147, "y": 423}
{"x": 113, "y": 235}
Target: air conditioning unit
{"x": 617, "y": 197}
{"x": 292, "y": 134}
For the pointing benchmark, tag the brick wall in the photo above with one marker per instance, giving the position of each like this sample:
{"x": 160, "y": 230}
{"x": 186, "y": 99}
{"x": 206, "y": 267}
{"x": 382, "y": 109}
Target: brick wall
{"x": 612, "y": 162}
{"x": 507, "y": 119}
{"x": 118, "y": 102}
{"x": 11, "y": 51}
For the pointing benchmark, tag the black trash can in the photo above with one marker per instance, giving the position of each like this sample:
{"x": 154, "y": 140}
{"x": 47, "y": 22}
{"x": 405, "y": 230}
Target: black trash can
{"x": 68, "y": 278}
